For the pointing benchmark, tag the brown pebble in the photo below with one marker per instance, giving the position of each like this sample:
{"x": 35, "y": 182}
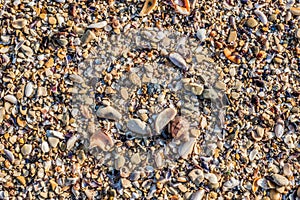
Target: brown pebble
{"x": 251, "y": 22}
{"x": 52, "y": 20}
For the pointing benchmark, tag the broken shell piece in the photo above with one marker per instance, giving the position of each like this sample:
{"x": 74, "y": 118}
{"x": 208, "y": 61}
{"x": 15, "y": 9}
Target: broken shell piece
{"x": 233, "y": 57}
{"x": 148, "y": 7}
{"x": 164, "y": 118}
{"x": 101, "y": 140}
{"x": 137, "y": 126}
{"x": 186, "y": 148}
{"x": 185, "y": 9}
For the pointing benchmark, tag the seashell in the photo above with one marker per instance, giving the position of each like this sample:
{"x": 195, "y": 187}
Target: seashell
{"x": 56, "y": 134}
{"x": 289, "y": 141}
{"x": 101, "y": 140}
{"x": 27, "y": 50}
{"x": 29, "y": 89}
{"x": 164, "y": 118}
{"x": 198, "y": 195}
{"x": 98, "y": 25}
{"x": 148, "y": 7}
{"x": 9, "y": 155}
{"x": 26, "y": 149}
{"x": 253, "y": 154}
{"x": 178, "y": 60}
{"x": 185, "y": 149}
{"x": 263, "y": 18}
{"x": 158, "y": 159}
{"x": 279, "y": 128}
{"x": 231, "y": 183}
{"x": 289, "y": 4}
{"x": 263, "y": 183}
{"x": 10, "y": 98}
{"x": 71, "y": 142}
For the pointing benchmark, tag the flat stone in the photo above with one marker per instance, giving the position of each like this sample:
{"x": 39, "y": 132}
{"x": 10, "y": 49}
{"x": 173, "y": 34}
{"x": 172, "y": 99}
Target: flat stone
{"x": 19, "y": 23}
{"x": 135, "y": 79}
{"x": 280, "y": 180}
{"x": 26, "y": 149}
{"x": 164, "y": 118}
{"x": 232, "y": 36}
{"x": 220, "y": 85}
{"x": 27, "y": 50}
{"x": 196, "y": 89}
{"x": 178, "y": 60}
{"x": 119, "y": 162}
{"x": 53, "y": 141}
{"x": 251, "y": 22}
{"x": 186, "y": 148}
{"x": 9, "y": 155}
{"x": 11, "y": 98}
{"x": 98, "y": 25}
{"x": 135, "y": 159}
{"x": 45, "y": 147}
{"x": 137, "y": 126}
{"x": 87, "y": 37}
{"x": 29, "y": 89}
{"x": 108, "y": 113}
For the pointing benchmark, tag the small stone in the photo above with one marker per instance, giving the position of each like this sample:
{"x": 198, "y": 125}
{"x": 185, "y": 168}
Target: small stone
{"x": 53, "y": 141}
{"x": 298, "y": 33}
{"x": 11, "y": 98}
{"x": 201, "y": 34}
{"x": 71, "y": 142}
{"x": 182, "y": 188}
{"x": 108, "y": 113}
{"x": 29, "y": 89}
{"x": 280, "y": 180}
{"x": 137, "y": 126}
{"x": 87, "y": 37}
{"x": 135, "y": 79}
{"x": 27, "y": 50}
{"x": 196, "y": 176}
{"x": 62, "y": 42}
{"x": 98, "y": 25}
{"x": 279, "y": 129}
{"x": 212, "y": 178}
{"x": 45, "y": 147}
{"x": 22, "y": 180}
{"x": 52, "y": 20}
{"x": 298, "y": 192}
{"x": 220, "y": 85}
{"x": 258, "y": 134}
{"x": 124, "y": 93}
{"x": 49, "y": 63}
{"x": 26, "y": 149}
{"x": 178, "y": 60}
{"x": 232, "y": 36}
{"x": 198, "y": 195}
{"x": 164, "y": 118}
{"x": 196, "y": 89}
{"x": 125, "y": 183}
{"x": 251, "y": 22}
{"x": 53, "y": 184}
{"x": 295, "y": 11}
{"x": 135, "y": 159}
{"x": 119, "y": 162}
{"x": 76, "y": 78}
{"x": 274, "y": 195}
{"x": 19, "y": 23}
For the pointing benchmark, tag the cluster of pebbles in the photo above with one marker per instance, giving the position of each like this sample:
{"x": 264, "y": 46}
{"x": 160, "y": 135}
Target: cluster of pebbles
{"x": 70, "y": 106}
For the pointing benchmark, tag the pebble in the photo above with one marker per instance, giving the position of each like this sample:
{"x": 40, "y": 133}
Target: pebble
{"x": 119, "y": 162}
{"x": 263, "y": 18}
{"x": 298, "y": 33}
{"x": 196, "y": 89}
{"x": 52, "y": 20}
{"x": 71, "y": 142}
{"x": 252, "y": 23}
{"x": 87, "y": 37}
{"x": 279, "y": 129}
{"x": 295, "y": 11}
{"x": 76, "y": 78}
{"x": 11, "y": 98}
{"x": 164, "y": 118}
{"x": 232, "y": 36}
{"x": 101, "y": 140}
{"x": 280, "y": 180}
{"x": 135, "y": 79}
{"x": 201, "y": 34}
{"x": 45, "y": 147}
{"x": 196, "y": 176}
{"x": 274, "y": 195}
{"x": 53, "y": 141}
{"x": 22, "y": 180}
{"x": 108, "y": 113}
{"x": 27, "y": 50}
{"x": 137, "y": 126}
{"x": 220, "y": 85}
{"x": 26, "y": 149}
{"x": 98, "y": 25}
{"x": 19, "y": 23}
{"x": 29, "y": 89}
{"x": 178, "y": 60}
{"x": 135, "y": 159}
{"x": 198, "y": 195}
{"x": 212, "y": 178}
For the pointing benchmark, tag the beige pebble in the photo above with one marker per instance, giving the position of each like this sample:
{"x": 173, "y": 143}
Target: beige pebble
{"x": 232, "y": 36}
{"x": 251, "y": 22}
{"x": 295, "y": 11}
{"x": 19, "y": 23}
{"x": 164, "y": 118}
{"x": 26, "y": 149}
{"x": 52, "y": 20}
